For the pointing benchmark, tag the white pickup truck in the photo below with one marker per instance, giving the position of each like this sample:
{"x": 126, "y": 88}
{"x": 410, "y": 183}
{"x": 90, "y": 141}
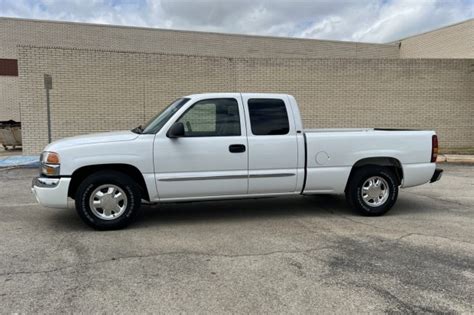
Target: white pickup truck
{"x": 228, "y": 146}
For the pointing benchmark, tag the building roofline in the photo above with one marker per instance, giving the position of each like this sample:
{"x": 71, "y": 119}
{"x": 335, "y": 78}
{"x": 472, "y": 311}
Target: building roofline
{"x": 129, "y": 51}
{"x": 431, "y": 31}
{"x": 191, "y": 32}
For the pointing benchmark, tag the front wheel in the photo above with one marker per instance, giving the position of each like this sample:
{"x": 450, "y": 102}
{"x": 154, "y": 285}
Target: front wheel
{"x": 108, "y": 200}
{"x": 372, "y": 190}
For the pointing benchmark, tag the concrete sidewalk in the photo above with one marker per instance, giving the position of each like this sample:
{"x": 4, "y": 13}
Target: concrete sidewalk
{"x": 23, "y": 161}
{"x": 455, "y": 158}
{"x": 13, "y": 158}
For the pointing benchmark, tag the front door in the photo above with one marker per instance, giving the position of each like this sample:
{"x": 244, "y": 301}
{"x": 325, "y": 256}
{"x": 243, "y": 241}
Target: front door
{"x": 211, "y": 159}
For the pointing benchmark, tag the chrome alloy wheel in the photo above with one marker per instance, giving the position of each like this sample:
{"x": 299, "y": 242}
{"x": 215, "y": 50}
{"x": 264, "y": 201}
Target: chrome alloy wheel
{"x": 108, "y": 202}
{"x": 375, "y": 191}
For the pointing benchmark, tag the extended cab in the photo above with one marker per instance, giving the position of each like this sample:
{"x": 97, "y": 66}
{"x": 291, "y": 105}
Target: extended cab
{"x": 230, "y": 145}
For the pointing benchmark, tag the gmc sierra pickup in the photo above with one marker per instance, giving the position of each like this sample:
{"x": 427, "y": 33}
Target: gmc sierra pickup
{"x": 230, "y": 145}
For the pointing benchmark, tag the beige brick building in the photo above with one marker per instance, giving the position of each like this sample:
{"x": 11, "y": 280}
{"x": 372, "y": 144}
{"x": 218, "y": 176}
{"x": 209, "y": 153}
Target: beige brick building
{"x": 109, "y": 78}
{"x": 454, "y": 41}
{"x": 14, "y": 32}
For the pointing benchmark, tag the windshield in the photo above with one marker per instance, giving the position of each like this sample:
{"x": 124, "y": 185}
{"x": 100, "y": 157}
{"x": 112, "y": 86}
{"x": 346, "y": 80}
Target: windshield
{"x": 156, "y": 123}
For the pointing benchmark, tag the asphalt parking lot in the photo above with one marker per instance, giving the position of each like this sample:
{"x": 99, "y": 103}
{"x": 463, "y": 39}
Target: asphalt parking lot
{"x": 285, "y": 255}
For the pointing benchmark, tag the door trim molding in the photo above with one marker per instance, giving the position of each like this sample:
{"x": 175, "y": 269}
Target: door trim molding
{"x": 178, "y": 179}
{"x": 271, "y": 175}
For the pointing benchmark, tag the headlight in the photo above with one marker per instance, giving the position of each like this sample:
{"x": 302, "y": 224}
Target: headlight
{"x": 50, "y": 163}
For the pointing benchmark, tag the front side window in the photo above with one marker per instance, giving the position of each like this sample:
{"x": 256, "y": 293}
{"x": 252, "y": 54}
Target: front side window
{"x": 268, "y": 117}
{"x": 212, "y": 118}
{"x": 156, "y": 123}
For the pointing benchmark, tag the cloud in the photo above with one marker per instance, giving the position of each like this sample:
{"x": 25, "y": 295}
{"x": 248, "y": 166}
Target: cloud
{"x": 354, "y": 20}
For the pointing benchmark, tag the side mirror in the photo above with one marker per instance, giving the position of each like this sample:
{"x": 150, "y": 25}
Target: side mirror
{"x": 176, "y": 130}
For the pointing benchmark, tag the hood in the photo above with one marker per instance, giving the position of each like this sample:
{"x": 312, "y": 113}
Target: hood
{"x": 94, "y": 138}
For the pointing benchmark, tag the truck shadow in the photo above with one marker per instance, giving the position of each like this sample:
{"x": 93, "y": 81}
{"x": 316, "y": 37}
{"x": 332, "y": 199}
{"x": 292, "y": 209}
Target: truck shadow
{"x": 257, "y": 209}
{"x": 249, "y": 209}
{"x": 321, "y": 206}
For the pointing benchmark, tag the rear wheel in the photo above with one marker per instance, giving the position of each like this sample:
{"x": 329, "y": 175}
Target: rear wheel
{"x": 108, "y": 200}
{"x": 372, "y": 190}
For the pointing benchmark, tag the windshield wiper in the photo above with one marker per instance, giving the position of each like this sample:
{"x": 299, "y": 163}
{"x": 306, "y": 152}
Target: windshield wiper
{"x": 138, "y": 129}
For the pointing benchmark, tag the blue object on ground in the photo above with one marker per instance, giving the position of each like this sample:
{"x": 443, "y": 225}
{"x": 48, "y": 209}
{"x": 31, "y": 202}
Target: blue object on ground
{"x": 25, "y": 161}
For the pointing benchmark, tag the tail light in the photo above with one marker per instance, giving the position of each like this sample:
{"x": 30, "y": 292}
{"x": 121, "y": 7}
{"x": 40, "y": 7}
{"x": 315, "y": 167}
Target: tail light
{"x": 434, "y": 148}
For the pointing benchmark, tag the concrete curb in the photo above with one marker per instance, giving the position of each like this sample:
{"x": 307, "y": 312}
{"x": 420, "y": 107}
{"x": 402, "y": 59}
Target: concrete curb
{"x": 19, "y": 161}
{"x": 455, "y": 158}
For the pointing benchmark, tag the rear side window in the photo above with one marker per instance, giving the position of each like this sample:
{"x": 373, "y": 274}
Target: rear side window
{"x": 268, "y": 117}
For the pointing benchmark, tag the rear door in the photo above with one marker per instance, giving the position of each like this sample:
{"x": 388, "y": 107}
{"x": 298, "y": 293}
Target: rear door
{"x": 272, "y": 142}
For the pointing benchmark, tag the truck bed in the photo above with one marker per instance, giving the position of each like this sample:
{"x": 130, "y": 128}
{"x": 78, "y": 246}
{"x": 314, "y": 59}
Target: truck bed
{"x": 331, "y": 153}
{"x": 357, "y": 129}
{"x": 338, "y": 130}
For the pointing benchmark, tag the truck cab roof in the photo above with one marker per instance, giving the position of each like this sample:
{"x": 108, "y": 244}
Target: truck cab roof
{"x": 221, "y": 94}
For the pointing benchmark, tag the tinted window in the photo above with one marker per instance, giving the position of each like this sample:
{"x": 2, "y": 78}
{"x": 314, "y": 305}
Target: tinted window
{"x": 212, "y": 118}
{"x": 268, "y": 117}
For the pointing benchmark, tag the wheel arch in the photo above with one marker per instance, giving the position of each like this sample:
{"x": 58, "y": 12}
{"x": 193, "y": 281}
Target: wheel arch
{"x": 384, "y": 161}
{"x": 81, "y": 173}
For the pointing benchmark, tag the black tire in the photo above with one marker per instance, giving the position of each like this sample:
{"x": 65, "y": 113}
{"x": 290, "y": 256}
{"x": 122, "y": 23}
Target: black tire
{"x": 91, "y": 183}
{"x": 355, "y": 186}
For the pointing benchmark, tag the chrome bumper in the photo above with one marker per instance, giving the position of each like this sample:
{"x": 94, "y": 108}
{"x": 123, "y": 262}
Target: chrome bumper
{"x": 51, "y": 192}
{"x": 45, "y": 182}
{"x": 437, "y": 175}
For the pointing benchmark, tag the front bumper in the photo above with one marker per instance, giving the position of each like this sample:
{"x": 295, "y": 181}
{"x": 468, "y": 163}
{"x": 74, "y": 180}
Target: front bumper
{"x": 51, "y": 192}
{"x": 437, "y": 175}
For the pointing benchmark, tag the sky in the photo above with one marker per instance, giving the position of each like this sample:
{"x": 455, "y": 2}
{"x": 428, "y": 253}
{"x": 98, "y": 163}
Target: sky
{"x": 377, "y": 21}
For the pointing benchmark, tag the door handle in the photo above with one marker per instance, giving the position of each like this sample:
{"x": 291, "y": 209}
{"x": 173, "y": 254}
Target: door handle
{"x": 237, "y": 148}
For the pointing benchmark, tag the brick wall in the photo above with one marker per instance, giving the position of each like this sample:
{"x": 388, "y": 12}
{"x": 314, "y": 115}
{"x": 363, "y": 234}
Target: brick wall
{"x": 15, "y": 32}
{"x": 455, "y": 41}
{"x": 97, "y": 90}
{"x": 79, "y": 35}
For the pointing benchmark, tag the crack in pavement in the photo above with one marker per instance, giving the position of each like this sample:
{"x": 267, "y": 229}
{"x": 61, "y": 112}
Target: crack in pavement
{"x": 114, "y": 259}
{"x": 19, "y": 205}
{"x": 405, "y": 235}
{"x": 436, "y": 198}
{"x": 435, "y": 236}
{"x": 358, "y": 222}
